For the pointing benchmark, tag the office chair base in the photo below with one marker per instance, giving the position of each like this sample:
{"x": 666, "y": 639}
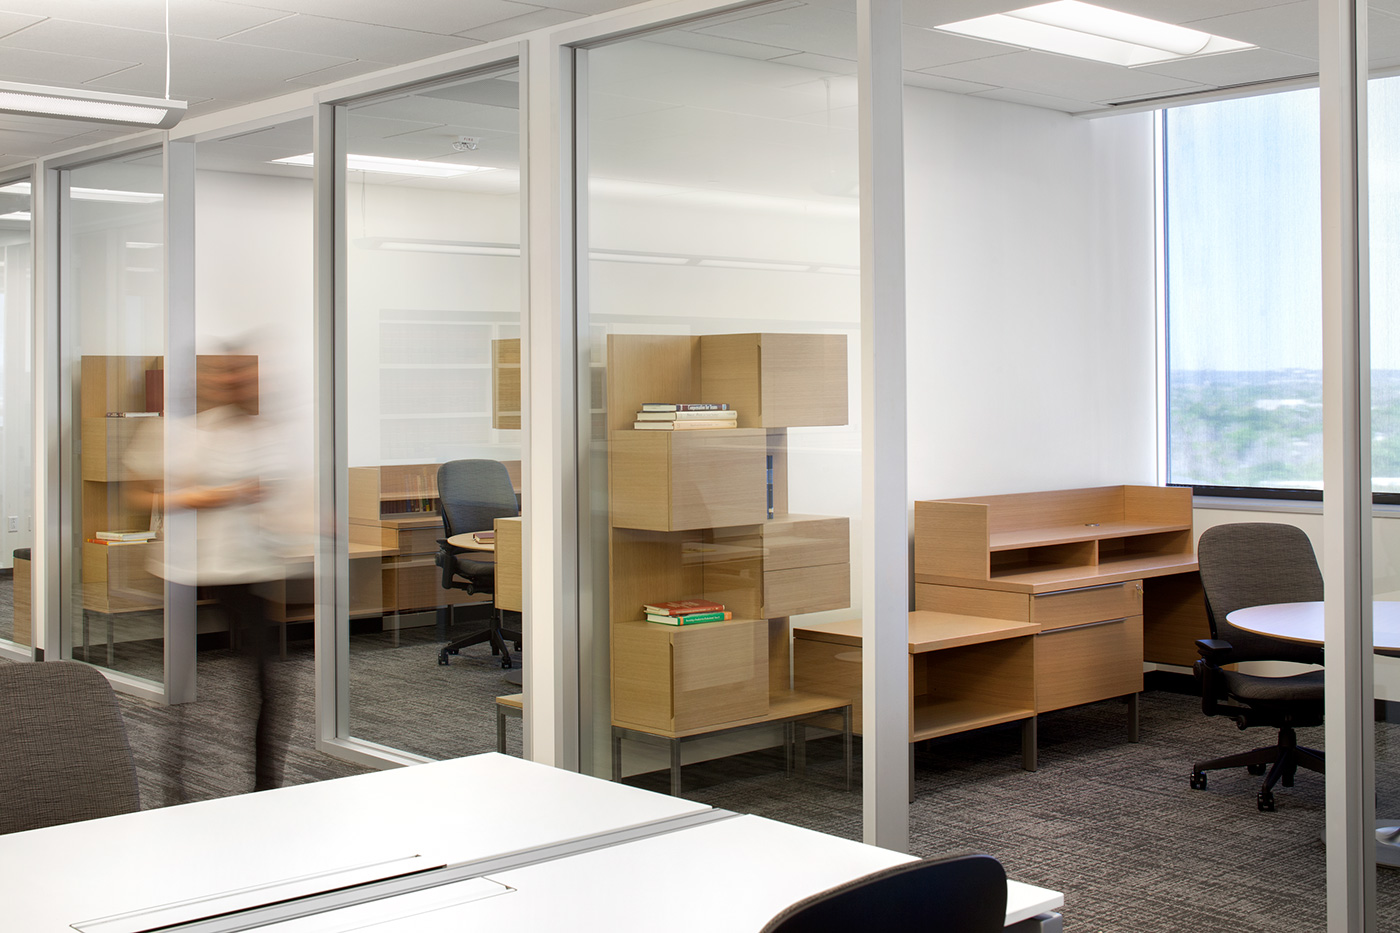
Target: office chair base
{"x": 1281, "y": 761}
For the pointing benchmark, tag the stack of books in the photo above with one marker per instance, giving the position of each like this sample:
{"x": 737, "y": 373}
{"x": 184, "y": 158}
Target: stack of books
{"x": 686, "y": 612}
{"x": 121, "y": 537}
{"x": 685, "y": 416}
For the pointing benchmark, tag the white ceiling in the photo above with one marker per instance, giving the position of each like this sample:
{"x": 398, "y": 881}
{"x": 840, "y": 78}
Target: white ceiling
{"x": 790, "y": 66}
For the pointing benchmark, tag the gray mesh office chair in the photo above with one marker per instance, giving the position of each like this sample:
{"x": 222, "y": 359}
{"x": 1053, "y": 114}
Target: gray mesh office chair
{"x": 1255, "y": 564}
{"x": 473, "y": 494}
{"x": 962, "y": 894}
{"x": 63, "y": 750}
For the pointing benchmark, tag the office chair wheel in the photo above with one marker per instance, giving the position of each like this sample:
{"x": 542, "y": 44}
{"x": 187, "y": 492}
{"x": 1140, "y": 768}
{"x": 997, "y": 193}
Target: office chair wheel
{"x": 442, "y": 657}
{"x": 505, "y": 663}
{"x": 1286, "y": 780}
{"x": 1266, "y": 801}
{"x": 1256, "y": 770}
{"x": 1198, "y": 780}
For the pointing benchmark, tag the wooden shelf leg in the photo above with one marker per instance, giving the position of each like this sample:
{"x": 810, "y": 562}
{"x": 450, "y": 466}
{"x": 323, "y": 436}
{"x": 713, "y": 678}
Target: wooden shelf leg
{"x": 800, "y": 741}
{"x": 675, "y": 767}
{"x": 846, "y": 740}
{"x": 1028, "y": 743}
{"x": 787, "y": 749}
{"x": 1133, "y": 725}
{"x": 616, "y": 755}
{"x": 912, "y": 746}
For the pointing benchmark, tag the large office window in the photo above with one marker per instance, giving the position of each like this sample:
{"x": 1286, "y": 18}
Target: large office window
{"x": 1244, "y": 318}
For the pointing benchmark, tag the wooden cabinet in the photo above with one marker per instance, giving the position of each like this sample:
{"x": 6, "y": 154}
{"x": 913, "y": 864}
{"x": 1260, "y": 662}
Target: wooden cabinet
{"x": 1079, "y": 563}
{"x": 703, "y": 514}
{"x": 505, "y": 384}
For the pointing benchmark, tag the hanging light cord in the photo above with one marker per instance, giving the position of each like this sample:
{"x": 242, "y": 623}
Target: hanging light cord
{"x": 167, "y": 49}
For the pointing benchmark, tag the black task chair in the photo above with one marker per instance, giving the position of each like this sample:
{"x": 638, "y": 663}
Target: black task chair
{"x": 473, "y": 493}
{"x": 63, "y": 750}
{"x": 1254, "y": 564}
{"x": 962, "y": 894}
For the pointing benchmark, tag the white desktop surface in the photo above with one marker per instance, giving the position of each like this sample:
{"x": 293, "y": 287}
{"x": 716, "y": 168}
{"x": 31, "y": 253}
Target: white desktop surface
{"x": 732, "y": 875}
{"x": 451, "y": 811}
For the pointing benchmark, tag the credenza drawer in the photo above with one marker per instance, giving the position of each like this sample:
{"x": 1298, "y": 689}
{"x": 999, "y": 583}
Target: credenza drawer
{"x": 1090, "y": 604}
{"x": 1087, "y": 663}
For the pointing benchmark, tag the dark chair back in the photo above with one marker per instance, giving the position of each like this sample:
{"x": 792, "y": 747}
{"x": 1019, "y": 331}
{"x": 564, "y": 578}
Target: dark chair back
{"x": 63, "y": 750}
{"x": 474, "y": 493}
{"x": 1254, "y": 564}
{"x": 962, "y": 894}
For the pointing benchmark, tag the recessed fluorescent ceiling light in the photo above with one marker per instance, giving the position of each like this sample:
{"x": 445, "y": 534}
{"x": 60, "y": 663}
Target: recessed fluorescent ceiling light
{"x": 95, "y": 194}
{"x": 1082, "y": 30}
{"x": 652, "y": 258}
{"x": 385, "y": 165}
{"x": 462, "y": 247}
{"x": 95, "y": 106}
{"x": 15, "y": 215}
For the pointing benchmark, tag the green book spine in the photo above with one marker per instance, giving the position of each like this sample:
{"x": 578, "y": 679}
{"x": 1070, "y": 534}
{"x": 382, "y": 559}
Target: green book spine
{"x": 693, "y": 619}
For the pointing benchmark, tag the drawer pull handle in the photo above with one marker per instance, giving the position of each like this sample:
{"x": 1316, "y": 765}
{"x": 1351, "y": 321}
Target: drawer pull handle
{"x": 1083, "y": 589}
{"x": 1071, "y": 628}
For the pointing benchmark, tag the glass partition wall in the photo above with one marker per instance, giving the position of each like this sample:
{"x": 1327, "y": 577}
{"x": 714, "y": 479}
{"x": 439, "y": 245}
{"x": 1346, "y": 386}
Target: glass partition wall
{"x": 16, "y": 413}
{"x": 719, "y": 210}
{"x": 113, "y": 295}
{"x": 434, "y": 274}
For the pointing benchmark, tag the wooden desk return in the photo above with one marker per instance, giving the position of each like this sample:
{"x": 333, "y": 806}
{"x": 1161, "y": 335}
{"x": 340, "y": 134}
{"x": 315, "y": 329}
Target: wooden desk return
{"x": 1089, "y": 566}
{"x": 507, "y": 548}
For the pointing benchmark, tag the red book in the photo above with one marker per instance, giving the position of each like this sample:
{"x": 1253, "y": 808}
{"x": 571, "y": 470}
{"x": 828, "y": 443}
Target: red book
{"x": 682, "y": 607}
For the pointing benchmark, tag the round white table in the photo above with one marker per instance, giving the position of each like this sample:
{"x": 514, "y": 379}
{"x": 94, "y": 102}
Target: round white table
{"x": 1303, "y": 622}
{"x": 467, "y": 542}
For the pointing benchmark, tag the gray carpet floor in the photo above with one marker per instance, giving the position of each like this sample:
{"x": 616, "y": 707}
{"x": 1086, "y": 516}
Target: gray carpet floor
{"x": 1112, "y": 824}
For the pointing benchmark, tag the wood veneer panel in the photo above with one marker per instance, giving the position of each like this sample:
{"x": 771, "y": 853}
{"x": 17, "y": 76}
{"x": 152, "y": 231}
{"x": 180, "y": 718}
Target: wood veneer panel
{"x": 1168, "y": 505}
{"x": 952, "y": 539}
{"x": 1174, "y": 617}
{"x": 505, "y": 384}
{"x": 965, "y": 600}
{"x": 510, "y": 589}
{"x": 1095, "y": 604}
{"x": 806, "y": 589}
{"x": 650, "y": 368}
{"x": 24, "y": 633}
{"x": 1084, "y": 665}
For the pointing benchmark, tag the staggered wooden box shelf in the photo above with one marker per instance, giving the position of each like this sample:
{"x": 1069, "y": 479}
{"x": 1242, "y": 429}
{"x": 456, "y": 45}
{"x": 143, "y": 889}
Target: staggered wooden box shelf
{"x": 689, "y": 518}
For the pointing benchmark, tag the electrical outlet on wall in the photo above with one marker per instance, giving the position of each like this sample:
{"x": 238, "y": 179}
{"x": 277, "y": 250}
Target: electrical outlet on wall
{"x": 14, "y": 523}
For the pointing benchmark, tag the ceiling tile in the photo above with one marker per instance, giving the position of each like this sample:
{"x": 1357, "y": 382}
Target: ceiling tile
{"x": 823, "y": 63}
{"x": 818, "y": 30}
{"x": 13, "y": 22}
{"x": 1184, "y": 11}
{"x": 57, "y": 35}
{"x": 1291, "y": 27}
{"x": 324, "y": 76}
{"x": 519, "y": 25}
{"x": 202, "y": 19}
{"x": 1244, "y": 67}
{"x": 929, "y": 48}
{"x": 1043, "y": 101}
{"x": 930, "y": 13}
{"x": 443, "y": 17}
{"x": 204, "y": 68}
{"x": 683, "y": 38}
{"x": 1058, "y": 76}
{"x": 58, "y": 69}
{"x": 938, "y": 83}
{"x": 343, "y": 39}
{"x": 589, "y": 7}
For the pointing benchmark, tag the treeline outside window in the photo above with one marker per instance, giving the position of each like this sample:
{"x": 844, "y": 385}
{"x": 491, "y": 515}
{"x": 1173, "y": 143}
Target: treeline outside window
{"x": 1244, "y": 296}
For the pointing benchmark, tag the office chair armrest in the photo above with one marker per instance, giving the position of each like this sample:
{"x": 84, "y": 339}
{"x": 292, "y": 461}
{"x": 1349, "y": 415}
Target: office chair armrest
{"x": 1216, "y": 651}
{"x": 444, "y": 559}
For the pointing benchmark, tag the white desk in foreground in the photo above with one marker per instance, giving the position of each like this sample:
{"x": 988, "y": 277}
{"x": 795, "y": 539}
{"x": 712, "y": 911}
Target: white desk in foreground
{"x": 569, "y": 852}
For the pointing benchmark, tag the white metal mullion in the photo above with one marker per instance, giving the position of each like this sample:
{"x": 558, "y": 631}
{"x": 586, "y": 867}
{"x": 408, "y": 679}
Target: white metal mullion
{"x": 885, "y": 502}
{"x": 1346, "y": 512}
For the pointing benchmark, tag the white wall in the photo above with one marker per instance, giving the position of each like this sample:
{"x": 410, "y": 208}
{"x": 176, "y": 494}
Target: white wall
{"x": 1031, "y": 308}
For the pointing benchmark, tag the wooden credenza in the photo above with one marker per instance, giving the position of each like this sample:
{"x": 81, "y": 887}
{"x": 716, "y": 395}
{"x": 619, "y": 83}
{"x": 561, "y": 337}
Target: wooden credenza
{"x": 1094, "y": 568}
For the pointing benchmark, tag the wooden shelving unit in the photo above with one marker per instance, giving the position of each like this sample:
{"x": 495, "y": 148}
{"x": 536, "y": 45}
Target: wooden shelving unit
{"x": 690, "y": 517}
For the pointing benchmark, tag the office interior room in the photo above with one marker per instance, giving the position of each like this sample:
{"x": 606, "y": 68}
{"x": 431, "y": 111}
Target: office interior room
{"x": 711, "y": 192}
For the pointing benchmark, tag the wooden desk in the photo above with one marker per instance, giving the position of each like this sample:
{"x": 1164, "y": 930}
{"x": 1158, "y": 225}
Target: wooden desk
{"x": 965, "y": 672}
{"x": 563, "y": 856}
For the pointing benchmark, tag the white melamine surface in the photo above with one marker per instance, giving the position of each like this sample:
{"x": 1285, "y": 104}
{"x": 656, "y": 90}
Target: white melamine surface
{"x": 448, "y": 812}
{"x": 731, "y": 875}
{"x": 1304, "y": 622}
